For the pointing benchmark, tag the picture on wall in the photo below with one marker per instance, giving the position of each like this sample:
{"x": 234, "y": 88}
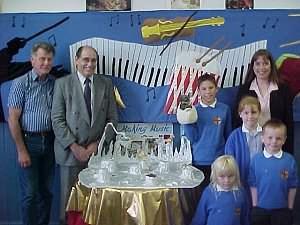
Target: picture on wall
{"x": 185, "y": 4}
{"x": 239, "y": 4}
{"x": 108, "y": 5}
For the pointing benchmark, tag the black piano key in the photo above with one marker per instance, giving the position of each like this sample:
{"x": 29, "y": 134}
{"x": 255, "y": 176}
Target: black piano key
{"x": 103, "y": 64}
{"x": 223, "y": 78}
{"x": 119, "y": 69}
{"x": 150, "y": 77}
{"x": 126, "y": 69}
{"x": 164, "y": 76}
{"x": 242, "y": 73}
{"x": 156, "y": 77}
{"x": 135, "y": 71}
{"x": 141, "y": 74}
{"x": 113, "y": 67}
{"x": 234, "y": 76}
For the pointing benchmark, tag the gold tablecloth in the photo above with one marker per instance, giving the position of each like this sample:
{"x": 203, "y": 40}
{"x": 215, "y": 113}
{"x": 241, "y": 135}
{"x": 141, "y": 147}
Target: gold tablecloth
{"x": 108, "y": 206}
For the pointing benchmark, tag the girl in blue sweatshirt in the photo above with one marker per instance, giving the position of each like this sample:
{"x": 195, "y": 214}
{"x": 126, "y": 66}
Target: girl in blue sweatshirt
{"x": 224, "y": 201}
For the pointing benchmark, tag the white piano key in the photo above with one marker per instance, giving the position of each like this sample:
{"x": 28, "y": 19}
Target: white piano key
{"x": 98, "y": 46}
{"x": 125, "y": 56}
{"x": 145, "y": 56}
{"x": 136, "y": 49}
{"x": 150, "y": 62}
{"x": 154, "y": 66}
{"x": 159, "y": 63}
{"x": 72, "y": 58}
{"x": 117, "y": 55}
{"x": 238, "y": 65}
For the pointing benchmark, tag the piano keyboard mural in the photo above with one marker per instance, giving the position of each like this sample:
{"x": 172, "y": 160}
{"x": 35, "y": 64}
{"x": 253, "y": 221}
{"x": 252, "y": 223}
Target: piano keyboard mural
{"x": 159, "y": 76}
{"x": 143, "y": 64}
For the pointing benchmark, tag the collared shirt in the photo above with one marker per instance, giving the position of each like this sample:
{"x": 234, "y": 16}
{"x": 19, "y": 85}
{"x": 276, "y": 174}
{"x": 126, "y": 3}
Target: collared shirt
{"x": 277, "y": 155}
{"x": 253, "y": 139}
{"x": 212, "y": 105}
{"x": 82, "y": 80}
{"x": 263, "y": 100}
{"x": 34, "y": 98}
{"x": 219, "y": 188}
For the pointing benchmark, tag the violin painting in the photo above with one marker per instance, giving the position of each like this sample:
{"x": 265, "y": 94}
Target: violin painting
{"x": 158, "y": 29}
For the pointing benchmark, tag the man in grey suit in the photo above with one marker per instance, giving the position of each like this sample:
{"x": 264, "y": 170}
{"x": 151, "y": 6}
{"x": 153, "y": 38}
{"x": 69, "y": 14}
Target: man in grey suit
{"x": 83, "y": 103}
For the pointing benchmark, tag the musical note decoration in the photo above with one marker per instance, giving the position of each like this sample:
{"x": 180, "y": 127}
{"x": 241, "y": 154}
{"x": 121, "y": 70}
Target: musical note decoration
{"x": 131, "y": 20}
{"x": 117, "y": 18}
{"x": 149, "y": 90}
{"x": 13, "y": 21}
{"x": 275, "y": 23}
{"x": 243, "y": 30}
{"x": 139, "y": 19}
{"x": 158, "y": 29}
{"x": 23, "y": 22}
{"x": 266, "y": 23}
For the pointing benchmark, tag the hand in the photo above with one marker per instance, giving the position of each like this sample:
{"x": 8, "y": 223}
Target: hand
{"x": 79, "y": 152}
{"x": 185, "y": 102}
{"x": 92, "y": 148}
{"x": 24, "y": 159}
{"x": 15, "y": 44}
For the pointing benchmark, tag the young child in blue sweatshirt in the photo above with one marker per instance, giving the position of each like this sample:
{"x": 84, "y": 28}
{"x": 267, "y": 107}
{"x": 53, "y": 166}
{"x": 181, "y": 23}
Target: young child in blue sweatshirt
{"x": 273, "y": 178}
{"x": 224, "y": 201}
{"x": 245, "y": 141}
{"x": 213, "y": 126}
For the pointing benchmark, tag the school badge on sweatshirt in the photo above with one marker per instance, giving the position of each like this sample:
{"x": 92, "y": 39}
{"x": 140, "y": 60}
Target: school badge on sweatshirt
{"x": 284, "y": 174}
{"x": 217, "y": 120}
{"x": 237, "y": 211}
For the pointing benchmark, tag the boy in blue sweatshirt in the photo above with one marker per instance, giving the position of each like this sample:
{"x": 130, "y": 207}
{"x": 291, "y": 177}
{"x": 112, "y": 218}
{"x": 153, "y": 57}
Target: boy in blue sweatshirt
{"x": 245, "y": 141}
{"x": 273, "y": 178}
{"x": 209, "y": 133}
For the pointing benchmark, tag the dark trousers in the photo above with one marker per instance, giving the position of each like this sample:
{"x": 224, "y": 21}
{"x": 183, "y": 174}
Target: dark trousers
{"x": 260, "y": 216}
{"x": 36, "y": 180}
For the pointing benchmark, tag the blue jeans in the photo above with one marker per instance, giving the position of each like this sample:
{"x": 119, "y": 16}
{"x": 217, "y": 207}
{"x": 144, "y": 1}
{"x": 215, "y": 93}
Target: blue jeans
{"x": 36, "y": 180}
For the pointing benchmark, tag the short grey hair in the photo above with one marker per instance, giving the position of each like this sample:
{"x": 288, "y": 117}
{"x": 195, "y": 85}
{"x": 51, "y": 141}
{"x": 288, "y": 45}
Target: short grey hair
{"x": 43, "y": 45}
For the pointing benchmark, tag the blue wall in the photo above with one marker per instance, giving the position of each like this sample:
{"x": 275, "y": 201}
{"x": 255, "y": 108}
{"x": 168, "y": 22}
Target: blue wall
{"x": 241, "y": 27}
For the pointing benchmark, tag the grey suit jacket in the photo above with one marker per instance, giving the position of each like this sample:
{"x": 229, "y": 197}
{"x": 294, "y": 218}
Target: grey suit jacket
{"x": 70, "y": 119}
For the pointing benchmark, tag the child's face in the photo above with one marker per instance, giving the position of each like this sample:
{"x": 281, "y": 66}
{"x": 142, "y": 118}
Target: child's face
{"x": 273, "y": 139}
{"x": 207, "y": 91}
{"x": 226, "y": 181}
{"x": 250, "y": 116}
{"x": 262, "y": 68}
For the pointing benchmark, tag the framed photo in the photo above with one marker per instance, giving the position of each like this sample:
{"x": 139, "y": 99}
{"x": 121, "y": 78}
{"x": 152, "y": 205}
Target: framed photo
{"x": 185, "y": 4}
{"x": 108, "y": 5}
{"x": 239, "y": 4}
